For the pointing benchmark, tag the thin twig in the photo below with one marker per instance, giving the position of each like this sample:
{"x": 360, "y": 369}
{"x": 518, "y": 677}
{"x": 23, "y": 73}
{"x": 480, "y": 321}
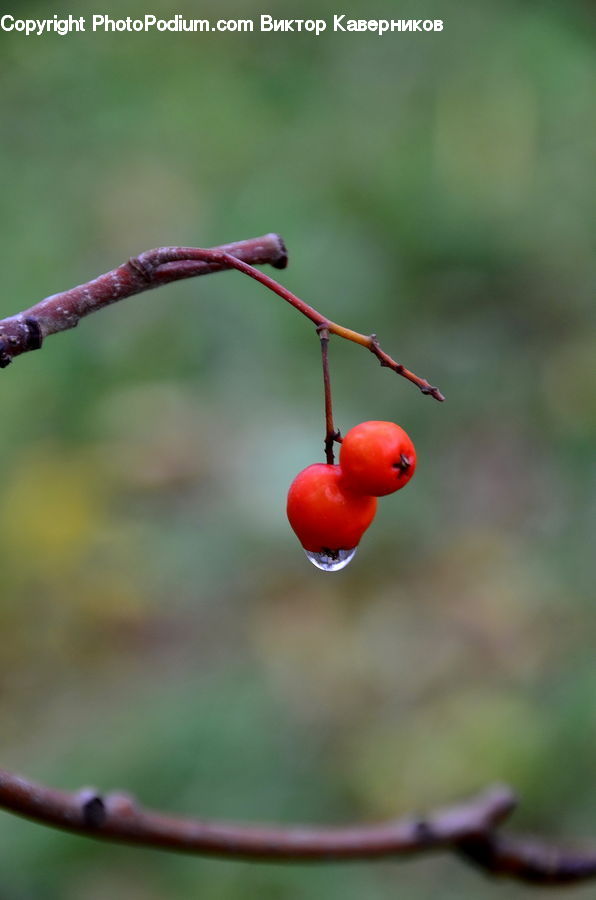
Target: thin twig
{"x": 26, "y": 331}
{"x": 369, "y": 341}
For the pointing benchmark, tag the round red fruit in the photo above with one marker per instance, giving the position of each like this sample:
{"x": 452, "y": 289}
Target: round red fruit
{"x": 377, "y": 458}
{"x": 324, "y": 513}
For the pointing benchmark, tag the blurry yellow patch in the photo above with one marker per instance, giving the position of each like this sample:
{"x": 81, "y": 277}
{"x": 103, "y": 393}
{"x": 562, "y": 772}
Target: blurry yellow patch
{"x": 69, "y": 576}
{"x": 447, "y": 749}
{"x": 50, "y": 511}
{"x": 569, "y": 384}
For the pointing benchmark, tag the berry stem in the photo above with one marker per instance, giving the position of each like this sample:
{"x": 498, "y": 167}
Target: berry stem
{"x": 331, "y": 434}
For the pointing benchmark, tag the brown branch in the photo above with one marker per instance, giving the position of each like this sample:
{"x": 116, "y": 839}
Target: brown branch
{"x": 26, "y": 331}
{"x": 117, "y": 817}
{"x": 528, "y": 859}
{"x": 469, "y": 829}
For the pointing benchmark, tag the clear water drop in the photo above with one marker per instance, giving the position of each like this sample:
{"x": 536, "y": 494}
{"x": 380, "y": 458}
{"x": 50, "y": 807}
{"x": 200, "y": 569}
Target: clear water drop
{"x": 331, "y": 560}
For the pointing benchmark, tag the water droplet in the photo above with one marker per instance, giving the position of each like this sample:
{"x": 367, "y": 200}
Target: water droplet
{"x": 331, "y": 560}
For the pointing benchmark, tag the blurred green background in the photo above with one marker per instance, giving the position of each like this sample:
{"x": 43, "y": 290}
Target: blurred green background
{"x": 162, "y": 629}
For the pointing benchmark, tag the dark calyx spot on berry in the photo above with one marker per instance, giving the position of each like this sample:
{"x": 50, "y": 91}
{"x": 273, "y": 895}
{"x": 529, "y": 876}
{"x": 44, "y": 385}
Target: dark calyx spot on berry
{"x": 332, "y": 554}
{"x": 403, "y": 463}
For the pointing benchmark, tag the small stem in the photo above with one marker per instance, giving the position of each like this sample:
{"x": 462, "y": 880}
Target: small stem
{"x": 331, "y": 435}
{"x": 368, "y": 341}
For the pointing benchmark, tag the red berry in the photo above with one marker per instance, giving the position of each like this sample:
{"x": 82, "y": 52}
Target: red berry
{"x": 325, "y": 515}
{"x": 377, "y": 458}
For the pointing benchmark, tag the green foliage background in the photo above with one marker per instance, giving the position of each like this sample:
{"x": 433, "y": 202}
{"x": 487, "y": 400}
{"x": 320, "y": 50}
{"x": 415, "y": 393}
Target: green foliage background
{"x": 161, "y": 628}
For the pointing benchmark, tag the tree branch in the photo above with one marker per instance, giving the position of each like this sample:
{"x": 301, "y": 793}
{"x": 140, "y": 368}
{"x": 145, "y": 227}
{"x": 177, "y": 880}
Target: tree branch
{"x": 26, "y": 331}
{"x": 117, "y": 817}
{"x": 528, "y": 859}
{"x": 469, "y": 829}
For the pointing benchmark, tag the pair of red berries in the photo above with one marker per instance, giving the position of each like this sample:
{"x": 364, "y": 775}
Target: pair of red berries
{"x": 330, "y": 507}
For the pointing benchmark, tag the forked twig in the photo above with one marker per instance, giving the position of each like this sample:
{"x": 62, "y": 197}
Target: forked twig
{"x": 27, "y": 330}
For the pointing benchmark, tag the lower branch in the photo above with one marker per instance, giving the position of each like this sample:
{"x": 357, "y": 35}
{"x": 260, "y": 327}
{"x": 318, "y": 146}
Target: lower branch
{"x": 470, "y": 830}
{"x": 117, "y": 817}
{"x": 528, "y": 859}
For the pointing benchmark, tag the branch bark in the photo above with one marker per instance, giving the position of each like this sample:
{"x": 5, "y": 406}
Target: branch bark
{"x": 27, "y": 330}
{"x": 469, "y": 829}
{"x": 118, "y": 817}
{"x": 528, "y": 859}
